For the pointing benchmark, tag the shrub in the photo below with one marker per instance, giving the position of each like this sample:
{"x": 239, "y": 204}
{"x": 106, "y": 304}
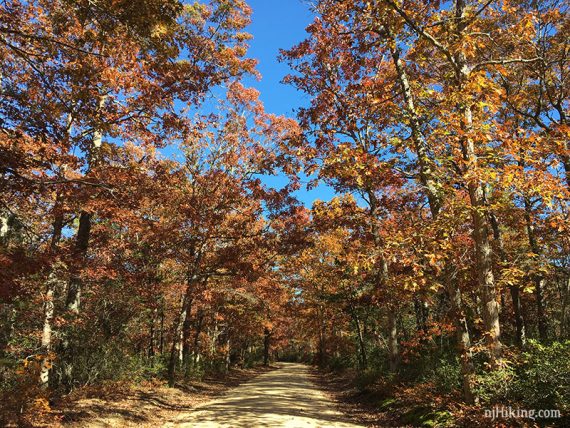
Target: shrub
{"x": 22, "y": 401}
{"x": 543, "y": 377}
{"x": 495, "y": 385}
{"x": 378, "y": 359}
{"x": 152, "y": 368}
{"x": 366, "y": 379}
{"x": 447, "y": 375}
{"x": 340, "y": 363}
{"x": 425, "y": 416}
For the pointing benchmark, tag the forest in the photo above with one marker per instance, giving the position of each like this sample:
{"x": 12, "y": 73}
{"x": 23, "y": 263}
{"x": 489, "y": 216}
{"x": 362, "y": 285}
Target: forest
{"x": 142, "y": 242}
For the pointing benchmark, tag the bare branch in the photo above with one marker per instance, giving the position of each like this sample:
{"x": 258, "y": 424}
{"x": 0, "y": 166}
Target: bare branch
{"x": 480, "y": 65}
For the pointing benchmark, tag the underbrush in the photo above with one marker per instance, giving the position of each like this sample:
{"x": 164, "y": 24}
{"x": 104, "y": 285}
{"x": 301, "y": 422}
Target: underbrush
{"x": 105, "y": 374}
{"x": 23, "y": 403}
{"x": 427, "y": 388}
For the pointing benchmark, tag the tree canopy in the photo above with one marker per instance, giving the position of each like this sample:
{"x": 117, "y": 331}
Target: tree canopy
{"x": 443, "y": 128}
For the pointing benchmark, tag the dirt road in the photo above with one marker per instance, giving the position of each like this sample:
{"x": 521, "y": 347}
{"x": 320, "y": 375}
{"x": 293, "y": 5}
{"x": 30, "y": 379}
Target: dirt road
{"x": 282, "y": 398}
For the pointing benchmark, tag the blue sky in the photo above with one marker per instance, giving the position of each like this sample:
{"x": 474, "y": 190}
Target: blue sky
{"x": 276, "y": 24}
{"x": 280, "y": 24}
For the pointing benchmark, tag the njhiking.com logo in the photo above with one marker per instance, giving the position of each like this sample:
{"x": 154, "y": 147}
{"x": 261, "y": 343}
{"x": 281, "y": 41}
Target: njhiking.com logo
{"x": 504, "y": 412}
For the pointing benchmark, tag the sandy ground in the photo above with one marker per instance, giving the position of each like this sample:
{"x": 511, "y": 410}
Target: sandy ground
{"x": 143, "y": 406}
{"x": 280, "y": 398}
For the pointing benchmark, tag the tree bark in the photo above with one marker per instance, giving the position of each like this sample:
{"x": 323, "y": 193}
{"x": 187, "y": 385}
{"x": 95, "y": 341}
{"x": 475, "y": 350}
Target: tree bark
{"x": 463, "y": 341}
{"x": 47, "y": 333}
{"x": 483, "y": 257}
{"x": 565, "y": 313}
{"x": 228, "y": 350}
{"x": 425, "y": 163}
{"x": 435, "y": 200}
{"x": 266, "y": 345}
{"x": 537, "y": 278}
{"x": 360, "y": 337}
{"x": 520, "y": 332}
{"x": 152, "y": 335}
{"x": 196, "y": 343}
{"x": 393, "y": 348}
{"x": 421, "y": 311}
{"x": 481, "y": 233}
{"x": 4, "y": 226}
{"x": 176, "y": 339}
{"x": 8, "y": 319}
{"x": 185, "y": 345}
{"x": 73, "y": 300}
{"x": 161, "y": 339}
{"x": 49, "y": 308}
{"x": 322, "y": 337}
{"x": 384, "y": 280}
{"x": 519, "y": 319}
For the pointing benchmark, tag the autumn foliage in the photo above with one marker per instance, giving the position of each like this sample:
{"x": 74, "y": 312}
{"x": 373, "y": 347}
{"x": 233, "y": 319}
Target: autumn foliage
{"x": 139, "y": 239}
{"x": 442, "y": 126}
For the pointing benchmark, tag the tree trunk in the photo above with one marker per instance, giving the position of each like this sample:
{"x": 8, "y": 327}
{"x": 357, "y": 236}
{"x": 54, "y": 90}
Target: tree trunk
{"x": 46, "y": 362}
{"x": 196, "y": 345}
{"x": 483, "y": 250}
{"x": 152, "y": 335}
{"x": 435, "y": 199}
{"x": 565, "y": 313}
{"x": 360, "y": 337}
{"x": 322, "y": 338}
{"x": 537, "y": 278}
{"x": 519, "y": 320}
{"x": 421, "y": 312}
{"x": 520, "y": 332}
{"x": 176, "y": 339}
{"x": 463, "y": 342}
{"x": 539, "y": 297}
{"x": 484, "y": 261}
{"x": 228, "y": 351}
{"x": 46, "y": 341}
{"x": 8, "y": 319}
{"x": 393, "y": 348}
{"x": 425, "y": 163}
{"x": 266, "y": 345}
{"x": 185, "y": 348}
{"x": 161, "y": 340}
{"x": 214, "y": 332}
{"x": 4, "y": 226}
{"x": 73, "y": 300}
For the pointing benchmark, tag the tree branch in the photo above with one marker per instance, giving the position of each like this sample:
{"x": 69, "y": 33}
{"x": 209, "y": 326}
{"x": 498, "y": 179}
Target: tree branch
{"x": 423, "y": 33}
{"x": 479, "y": 65}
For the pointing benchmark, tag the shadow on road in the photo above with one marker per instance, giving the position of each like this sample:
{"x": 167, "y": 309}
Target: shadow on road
{"x": 282, "y": 398}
